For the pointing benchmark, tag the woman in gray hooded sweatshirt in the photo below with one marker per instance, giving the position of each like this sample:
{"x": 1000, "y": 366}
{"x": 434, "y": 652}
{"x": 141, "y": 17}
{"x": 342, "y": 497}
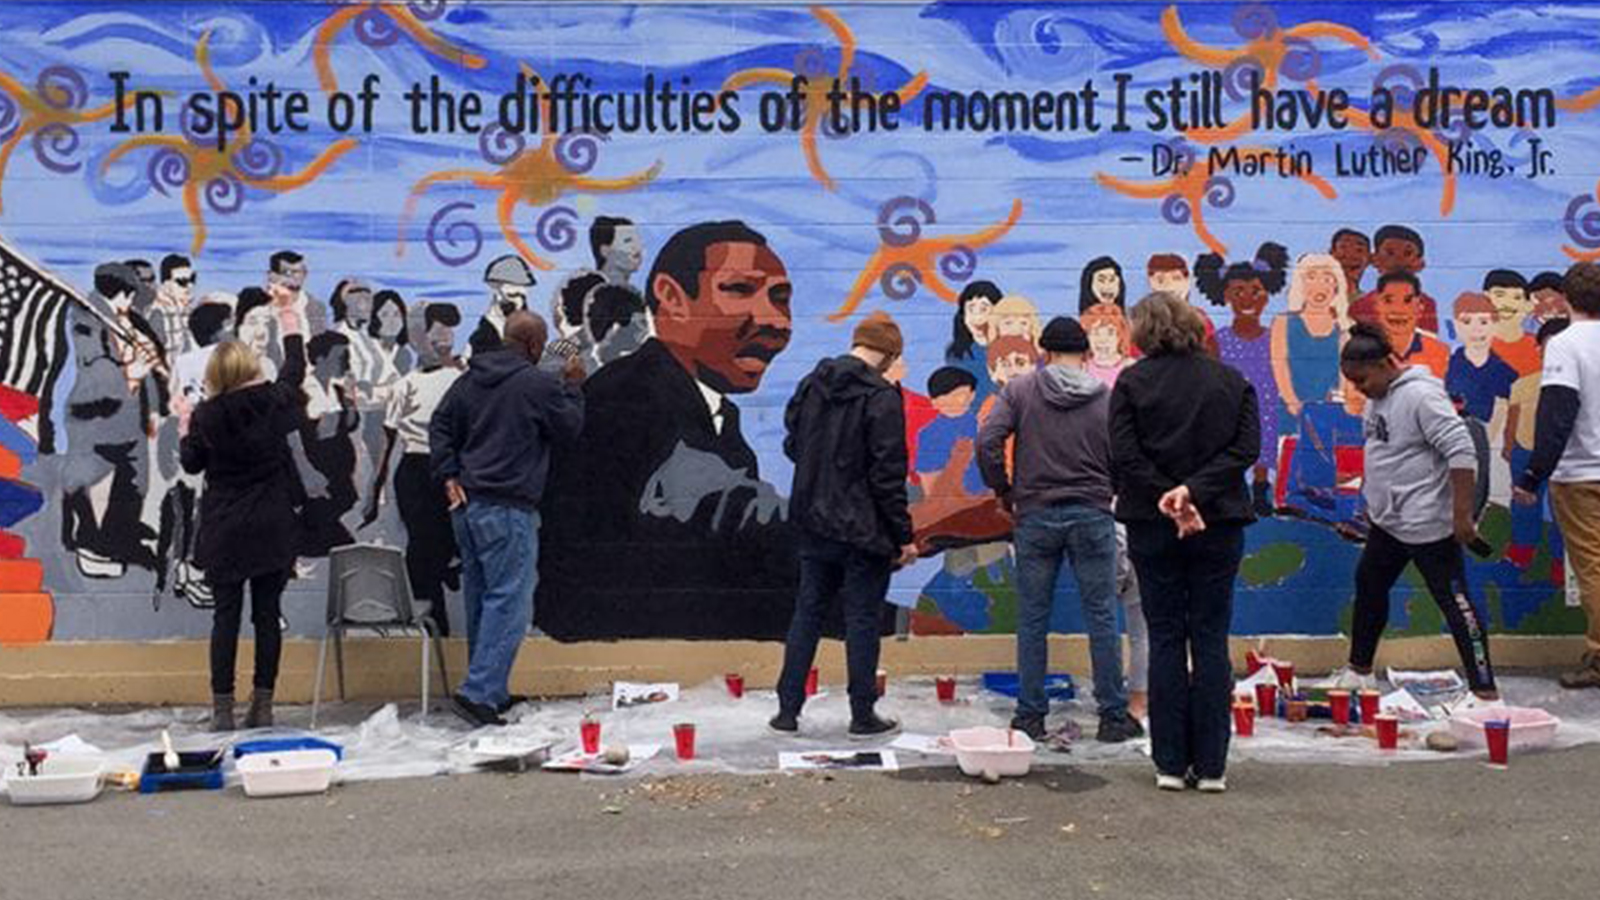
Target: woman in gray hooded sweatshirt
{"x": 1420, "y": 486}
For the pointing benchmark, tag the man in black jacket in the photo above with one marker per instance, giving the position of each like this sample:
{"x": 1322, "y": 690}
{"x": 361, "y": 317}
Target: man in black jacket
{"x": 846, "y": 434}
{"x": 490, "y": 442}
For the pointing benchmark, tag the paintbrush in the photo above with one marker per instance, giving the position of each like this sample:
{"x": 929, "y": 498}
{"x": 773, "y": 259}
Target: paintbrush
{"x": 170, "y": 757}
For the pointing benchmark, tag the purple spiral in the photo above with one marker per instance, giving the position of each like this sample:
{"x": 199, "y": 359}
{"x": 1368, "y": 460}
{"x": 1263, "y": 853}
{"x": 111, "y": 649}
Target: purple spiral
{"x": 578, "y": 151}
{"x": 375, "y": 29}
{"x": 1255, "y": 21}
{"x": 900, "y": 280}
{"x": 54, "y": 145}
{"x": 259, "y": 159}
{"x": 556, "y": 228}
{"x": 499, "y": 146}
{"x": 1301, "y": 61}
{"x": 959, "y": 263}
{"x": 1236, "y": 78}
{"x": 426, "y": 10}
{"x": 1220, "y": 192}
{"x": 225, "y": 193}
{"x": 1175, "y": 209}
{"x": 904, "y": 229}
{"x": 812, "y": 63}
{"x": 1182, "y": 153}
{"x": 10, "y": 116}
{"x": 825, "y": 125}
{"x": 167, "y": 169}
{"x": 1583, "y": 226}
{"x": 454, "y": 243}
{"x": 1401, "y": 80}
{"x": 62, "y": 87}
{"x": 1399, "y": 140}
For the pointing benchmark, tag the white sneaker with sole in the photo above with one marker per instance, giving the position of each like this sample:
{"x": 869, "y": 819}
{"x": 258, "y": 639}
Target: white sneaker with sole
{"x": 1212, "y": 785}
{"x": 1170, "y": 782}
{"x": 1348, "y": 679}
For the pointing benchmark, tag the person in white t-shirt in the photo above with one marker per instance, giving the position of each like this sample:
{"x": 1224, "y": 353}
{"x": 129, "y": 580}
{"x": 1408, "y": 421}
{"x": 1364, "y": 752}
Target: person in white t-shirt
{"x": 430, "y": 542}
{"x": 1567, "y": 450}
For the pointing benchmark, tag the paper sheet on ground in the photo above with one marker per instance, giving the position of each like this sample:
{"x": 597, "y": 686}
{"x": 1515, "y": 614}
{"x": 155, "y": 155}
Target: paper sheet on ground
{"x": 629, "y": 693}
{"x": 859, "y": 760}
{"x": 578, "y": 761}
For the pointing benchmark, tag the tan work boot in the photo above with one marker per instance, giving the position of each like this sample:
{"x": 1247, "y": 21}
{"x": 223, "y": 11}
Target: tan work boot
{"x": 221, "y": 712}
{"x": 260, "y": 714}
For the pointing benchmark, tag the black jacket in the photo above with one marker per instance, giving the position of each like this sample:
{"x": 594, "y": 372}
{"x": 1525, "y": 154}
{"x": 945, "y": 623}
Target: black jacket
{"x": 240, "y": 441}
{"x": 846, "y": 433}
{"x": 494, "y": 428}
{"x": 1184, "y": 419}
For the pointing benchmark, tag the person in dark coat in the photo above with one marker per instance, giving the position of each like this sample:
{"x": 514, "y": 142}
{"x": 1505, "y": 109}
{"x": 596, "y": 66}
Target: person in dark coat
{"x": 1184, "y": 430}
{"x": 846, "y": 433}
{"x": 238, "y": 439}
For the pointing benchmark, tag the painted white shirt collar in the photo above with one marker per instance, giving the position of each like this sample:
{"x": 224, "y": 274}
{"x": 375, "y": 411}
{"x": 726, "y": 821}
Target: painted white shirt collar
{"x": 714, "y": 402}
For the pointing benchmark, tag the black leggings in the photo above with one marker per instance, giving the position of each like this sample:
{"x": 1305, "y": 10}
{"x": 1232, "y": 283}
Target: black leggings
{"x": 265, "y": 611}
{"x": 1443, "y": 568}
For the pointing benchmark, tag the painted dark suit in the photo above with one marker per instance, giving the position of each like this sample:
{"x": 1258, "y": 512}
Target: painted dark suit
{"x": 659, "y": 525}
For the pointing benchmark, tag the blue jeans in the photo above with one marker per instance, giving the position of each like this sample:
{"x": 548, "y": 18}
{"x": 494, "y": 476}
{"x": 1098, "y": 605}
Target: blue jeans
{"x": 1527, "y": 522}
{"x": 499, "y": 548}
{"x": 1087, "y": 538}
{"x": 1187, "y": 588}
{"x": 834, "y": 572}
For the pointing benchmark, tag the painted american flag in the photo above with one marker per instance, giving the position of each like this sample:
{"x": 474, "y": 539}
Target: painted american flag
{"x": 33, "y": 333}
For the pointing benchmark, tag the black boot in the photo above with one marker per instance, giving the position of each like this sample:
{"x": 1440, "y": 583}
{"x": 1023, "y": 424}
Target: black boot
{"x": 260, "y": 714}
{"x": 221, "y": 712}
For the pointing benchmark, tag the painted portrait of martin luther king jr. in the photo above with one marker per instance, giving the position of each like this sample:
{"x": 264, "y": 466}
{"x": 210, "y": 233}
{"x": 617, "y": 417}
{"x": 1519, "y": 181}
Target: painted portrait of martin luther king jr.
{"x": 658, "y": 523}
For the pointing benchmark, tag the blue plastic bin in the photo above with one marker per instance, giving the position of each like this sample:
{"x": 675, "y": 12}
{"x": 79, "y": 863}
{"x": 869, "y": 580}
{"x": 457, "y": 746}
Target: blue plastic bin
{"x": 284, "y": 744}
{"x": 1057, "y": 685}
{"x": 198, "y": 770}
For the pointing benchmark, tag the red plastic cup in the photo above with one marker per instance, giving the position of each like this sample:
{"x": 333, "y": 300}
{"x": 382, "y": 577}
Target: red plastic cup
{"x": 1369, "y": 706}
{"x": 1497, "y": 734}
{"x": 1253, "y": 662}
{"x": 811, "y": 682}
{"x": 735, "y": 683}
{"x": 1388, "y": 726}
{"x": 1244, "y": 719}
{"x": 945, "y": 685}
{"x": 883, "y": 682}
{"x": 1266, "y": 699}
{"x": 1339, "y": 706}
{"x": 590, "y": 732}
{"x": 1285, "y": 673}
{"x": 683, "y": 735}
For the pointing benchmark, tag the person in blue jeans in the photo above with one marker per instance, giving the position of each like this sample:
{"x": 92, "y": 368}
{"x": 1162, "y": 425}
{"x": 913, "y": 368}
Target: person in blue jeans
{"x": 1184, "y": 431}
{"x": 846, "y": 434}
{"x": 1053, "y": 423}
{"x": 489, "y": 444}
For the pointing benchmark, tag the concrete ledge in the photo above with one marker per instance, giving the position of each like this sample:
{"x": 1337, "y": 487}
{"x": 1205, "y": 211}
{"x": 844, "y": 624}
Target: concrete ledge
{"x": 176, "y": 672}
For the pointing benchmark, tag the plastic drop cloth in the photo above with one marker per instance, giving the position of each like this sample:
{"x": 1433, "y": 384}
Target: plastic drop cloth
{"x": 731, "y": 734}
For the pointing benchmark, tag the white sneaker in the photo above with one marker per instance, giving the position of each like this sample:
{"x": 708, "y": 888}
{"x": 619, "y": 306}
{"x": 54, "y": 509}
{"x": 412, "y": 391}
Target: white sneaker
{"x": 1170, "y": 782}
{"x": 1348, "y": 679}
{"x": 1212, "y": 785}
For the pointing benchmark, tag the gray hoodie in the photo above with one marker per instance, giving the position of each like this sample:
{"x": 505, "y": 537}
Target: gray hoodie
{"x": 1414, "y": 437}
{"x": 1058, "y": 416}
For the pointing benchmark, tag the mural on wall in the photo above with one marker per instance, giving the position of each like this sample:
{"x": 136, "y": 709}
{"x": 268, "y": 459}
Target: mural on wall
{"x": 702, "y": 199}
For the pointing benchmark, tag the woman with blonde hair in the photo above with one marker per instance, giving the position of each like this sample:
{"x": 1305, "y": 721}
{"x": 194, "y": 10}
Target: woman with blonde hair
{"x": 1017, "y": 316}
{"x": 1306, "y": 342}
{"x": 238, "y": 438}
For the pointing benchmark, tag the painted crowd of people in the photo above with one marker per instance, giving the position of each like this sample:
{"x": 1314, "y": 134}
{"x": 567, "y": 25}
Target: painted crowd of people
{"x": 1132, "y": 443}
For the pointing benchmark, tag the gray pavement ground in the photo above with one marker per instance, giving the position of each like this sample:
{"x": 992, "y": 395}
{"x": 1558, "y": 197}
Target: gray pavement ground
{"x": 1454, "y": 829}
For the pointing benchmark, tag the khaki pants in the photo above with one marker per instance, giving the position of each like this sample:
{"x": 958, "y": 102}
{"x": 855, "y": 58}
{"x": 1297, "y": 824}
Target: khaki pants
{"x": 1577, "y": 507}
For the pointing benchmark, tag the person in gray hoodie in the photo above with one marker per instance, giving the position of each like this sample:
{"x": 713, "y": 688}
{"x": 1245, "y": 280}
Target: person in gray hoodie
{"x": 1053, "y": 424}
{"x": 1420, "y": 485}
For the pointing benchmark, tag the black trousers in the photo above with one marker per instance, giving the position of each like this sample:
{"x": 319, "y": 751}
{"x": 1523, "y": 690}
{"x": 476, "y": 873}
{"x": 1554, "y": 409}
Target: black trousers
{"x": 1444, "y": 570}
{"x": 266, "y": 594}
{"x": 1186, "y": 589}
{"x": 430, "y": 539}
{"x": 833, "y": 573}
